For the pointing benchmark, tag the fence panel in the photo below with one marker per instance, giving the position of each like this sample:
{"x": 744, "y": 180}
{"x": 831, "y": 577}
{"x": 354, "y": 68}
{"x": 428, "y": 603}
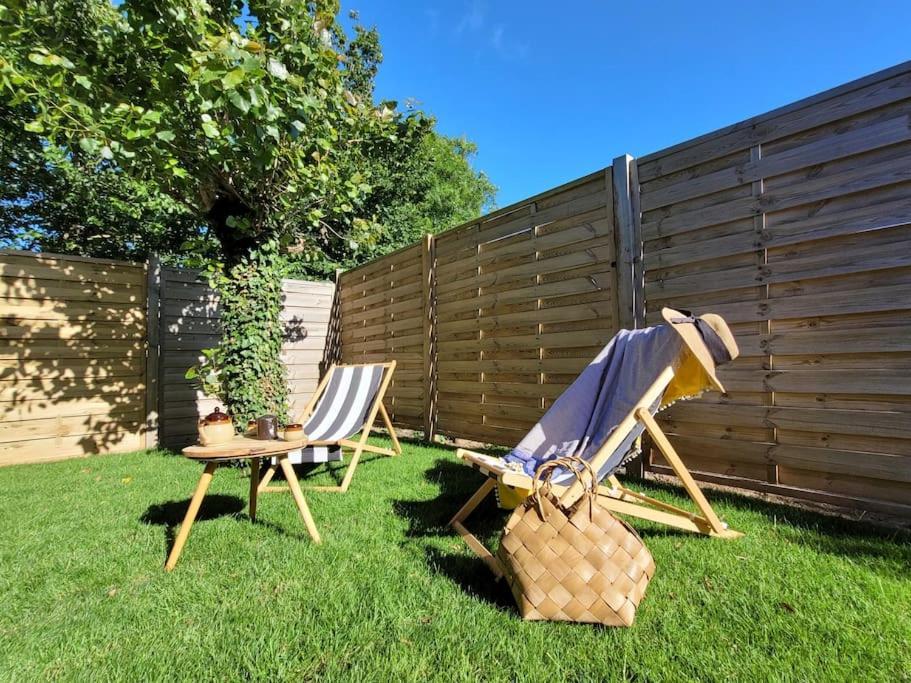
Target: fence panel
{"x": 525, "y": 299}
{"x": 796, "y": 227}
{"x": 190, "y": 322}
{"x": 72, "y": 357}
{"x": 381, "y": 307}
{"x": 489, "y": 321}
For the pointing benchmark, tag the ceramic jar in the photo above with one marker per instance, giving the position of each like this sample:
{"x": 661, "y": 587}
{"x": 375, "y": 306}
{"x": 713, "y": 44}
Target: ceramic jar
{"x": 216, "y": 428}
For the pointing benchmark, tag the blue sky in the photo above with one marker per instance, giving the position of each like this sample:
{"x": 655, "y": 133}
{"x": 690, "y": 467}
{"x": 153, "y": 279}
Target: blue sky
{"x": 552, "y": 91}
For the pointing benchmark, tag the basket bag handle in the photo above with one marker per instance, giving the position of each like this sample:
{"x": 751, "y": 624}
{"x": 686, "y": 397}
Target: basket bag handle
{"x": 542, "y": 485}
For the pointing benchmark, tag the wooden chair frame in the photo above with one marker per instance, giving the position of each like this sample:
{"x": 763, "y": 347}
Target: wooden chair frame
{"x": 358, "y": 446}
{"x": 616, "y": 497}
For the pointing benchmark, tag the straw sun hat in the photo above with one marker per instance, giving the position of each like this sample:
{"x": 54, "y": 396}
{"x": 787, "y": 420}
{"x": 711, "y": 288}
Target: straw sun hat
{"x": 707, "y": 336}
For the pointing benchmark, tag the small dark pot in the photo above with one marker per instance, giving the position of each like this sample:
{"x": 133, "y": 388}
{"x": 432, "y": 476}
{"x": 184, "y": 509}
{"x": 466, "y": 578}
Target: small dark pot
{"x": 267, "y": 428}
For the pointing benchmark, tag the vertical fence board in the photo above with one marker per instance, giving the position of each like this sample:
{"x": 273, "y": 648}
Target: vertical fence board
{"x": 153, "y": 327}
{"x": 629, "y": 244}
{"x": 428, "y": 280}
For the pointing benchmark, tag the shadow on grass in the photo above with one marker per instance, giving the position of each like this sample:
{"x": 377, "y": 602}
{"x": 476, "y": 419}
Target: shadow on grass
{"x": 310, "y": 470}
{"x": 214, "y": 506}
{"x": 887, "y": 549}
{"x": 429, "y": 520}
{"x": 473, "y": 577}
{"x": 171, "y": 514}
{"x": 431, "y": 517}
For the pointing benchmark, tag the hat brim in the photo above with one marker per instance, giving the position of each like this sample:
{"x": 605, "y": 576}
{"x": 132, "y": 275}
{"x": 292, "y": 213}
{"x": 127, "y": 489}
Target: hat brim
{"x": 694, "y": 343}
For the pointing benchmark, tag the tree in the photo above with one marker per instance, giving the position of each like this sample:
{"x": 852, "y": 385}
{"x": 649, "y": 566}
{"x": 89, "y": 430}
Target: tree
{"x": 58, "y": 202}
{"x": 427, "y": 187}
{"x": 237, "y": 111}
{"x": 420, "y": 180}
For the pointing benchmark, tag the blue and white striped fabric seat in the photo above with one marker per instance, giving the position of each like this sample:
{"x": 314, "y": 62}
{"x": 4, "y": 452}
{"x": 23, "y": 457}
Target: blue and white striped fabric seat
{"x": 340, "y": 412}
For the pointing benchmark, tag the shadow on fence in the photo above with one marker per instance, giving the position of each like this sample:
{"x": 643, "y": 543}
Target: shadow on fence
{"x": 72, "y": 360}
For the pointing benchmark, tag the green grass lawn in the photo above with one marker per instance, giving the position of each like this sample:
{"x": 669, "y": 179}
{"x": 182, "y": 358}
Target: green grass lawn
{"x": 392, "y": 594}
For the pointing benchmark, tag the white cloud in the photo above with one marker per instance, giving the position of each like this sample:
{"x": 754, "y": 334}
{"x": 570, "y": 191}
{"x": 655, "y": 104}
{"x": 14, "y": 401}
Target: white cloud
{"x": 473, "y": 19}
{"x": 506, "y": 47}
{"x": 474, "y": 22}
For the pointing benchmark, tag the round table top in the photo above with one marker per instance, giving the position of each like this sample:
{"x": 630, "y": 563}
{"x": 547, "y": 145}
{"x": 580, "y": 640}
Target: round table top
{"x": 241, "y": 447}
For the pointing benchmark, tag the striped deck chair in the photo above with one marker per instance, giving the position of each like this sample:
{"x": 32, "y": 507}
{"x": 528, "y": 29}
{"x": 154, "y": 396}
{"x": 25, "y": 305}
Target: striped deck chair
{"x": 607, "y": 447}
{"x": 346, "y": 402}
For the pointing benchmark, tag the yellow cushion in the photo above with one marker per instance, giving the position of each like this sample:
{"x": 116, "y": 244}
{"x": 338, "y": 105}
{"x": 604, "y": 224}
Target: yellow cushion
{"x": 509, "y": 498}
{"x": 690, "y": 379}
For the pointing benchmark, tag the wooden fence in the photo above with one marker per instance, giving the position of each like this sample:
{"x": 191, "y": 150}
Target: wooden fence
{"x": 72, "y": 357}
{"x": 490, "y": 321}
{"x": 84, "y": 367}
{"x": 381, "y": 307}
{"x": 524, "y": 299}
{"x": 795, "y": 226}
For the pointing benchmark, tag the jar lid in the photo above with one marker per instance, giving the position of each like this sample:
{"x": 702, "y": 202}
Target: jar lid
{"x": 294, "y": 425}
{"x": 217, "y": 416}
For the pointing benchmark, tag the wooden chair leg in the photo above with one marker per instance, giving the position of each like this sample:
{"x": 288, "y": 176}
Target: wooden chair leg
{"x": 192, "y": 511}
{"x": 349, "y": 473}
{"x": 267, "y": 477}
{"x": 630, "y": 496}
{"x": 396, "y": 446}
{"x": 692, "y": 488}
{"x": 254, "y": 486}
{"x": 298, "y": 495}
{"x": 470, "y": 539}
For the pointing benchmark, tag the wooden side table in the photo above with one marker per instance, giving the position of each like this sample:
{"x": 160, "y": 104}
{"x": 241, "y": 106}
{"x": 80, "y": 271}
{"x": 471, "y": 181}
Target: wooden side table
{"x": 241, "y": 448}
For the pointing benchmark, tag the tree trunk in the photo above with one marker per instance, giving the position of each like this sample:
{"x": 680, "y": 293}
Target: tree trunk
{"x": 253, "y": 377}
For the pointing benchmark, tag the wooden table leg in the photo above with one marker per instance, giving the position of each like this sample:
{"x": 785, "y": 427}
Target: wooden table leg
{"x": 254, "y": 486}
{"x": 192, "y": 511}
{"x": 295, "y": 487}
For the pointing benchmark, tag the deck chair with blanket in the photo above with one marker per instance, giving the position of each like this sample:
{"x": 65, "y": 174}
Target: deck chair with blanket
{"x": 601, "y": 418}
{"x": 347, "y": 401}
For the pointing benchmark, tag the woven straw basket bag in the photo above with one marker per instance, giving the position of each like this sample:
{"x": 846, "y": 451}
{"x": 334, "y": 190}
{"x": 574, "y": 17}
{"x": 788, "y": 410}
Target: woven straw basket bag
{"x": 580, "y": 564}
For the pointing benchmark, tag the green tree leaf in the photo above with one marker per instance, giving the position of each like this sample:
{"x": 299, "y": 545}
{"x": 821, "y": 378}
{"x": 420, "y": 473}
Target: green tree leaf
{"x": 234, "y": 78}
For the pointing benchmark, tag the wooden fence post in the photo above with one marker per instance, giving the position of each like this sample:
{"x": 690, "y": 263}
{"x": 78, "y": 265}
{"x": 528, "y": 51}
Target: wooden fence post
{"x": 630, "y": 273}
{"x": 428, "y": 262}
{"x": 332, "y": 349}
{"x": 628, "y": 236}
{"x": 153, "y": 339}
